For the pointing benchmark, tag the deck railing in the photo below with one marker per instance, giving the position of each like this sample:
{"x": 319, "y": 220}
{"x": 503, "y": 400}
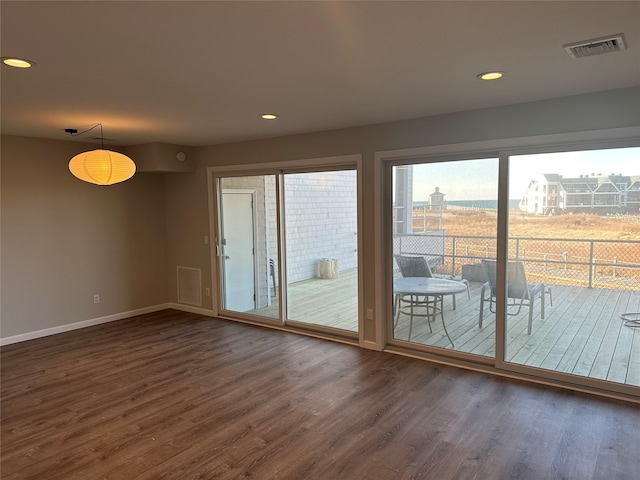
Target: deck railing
{"x": 565, "y": 261}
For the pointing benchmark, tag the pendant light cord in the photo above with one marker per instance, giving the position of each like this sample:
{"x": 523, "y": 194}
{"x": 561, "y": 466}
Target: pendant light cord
{"x": 75, "y": 133}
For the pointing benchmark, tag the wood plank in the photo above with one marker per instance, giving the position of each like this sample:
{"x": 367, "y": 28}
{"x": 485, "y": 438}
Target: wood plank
{"x": 605, "y": 354}
{"x": 615, "y": 359}
{"x": 532, "y": 349}
{"x": 568, "y": 340}
{"x": 324, "y": 302}
{"x": 175, "y": 395}
{"x": 548, "y": 333}
{"x": 570, "y": 332}
{"x": 633, "y": 370}
{"x": 588, "y": 332}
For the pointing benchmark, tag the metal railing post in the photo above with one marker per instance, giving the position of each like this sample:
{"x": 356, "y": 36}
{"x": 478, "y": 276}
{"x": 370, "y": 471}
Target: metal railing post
{"x": 592, "y": 266}
{"x": 453, "y": 257}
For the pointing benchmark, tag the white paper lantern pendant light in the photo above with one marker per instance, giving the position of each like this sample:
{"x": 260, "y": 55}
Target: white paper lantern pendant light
{"x": 100, "y": 167}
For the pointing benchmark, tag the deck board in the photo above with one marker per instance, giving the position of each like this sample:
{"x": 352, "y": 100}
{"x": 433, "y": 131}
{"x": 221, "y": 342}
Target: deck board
{"x": 574, "y": 349}
{"x": 633, "y": 370}
{"x": 582, "y": 332}
{"x": 604, "y": 361}
{"x": 619, "y": 357}
{"x": 570, "y": 334}
{"x": 597, "y": 336}
{"x": 547, "y": 331}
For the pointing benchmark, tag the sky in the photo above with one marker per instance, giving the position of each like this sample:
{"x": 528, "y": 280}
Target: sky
{"x": 478, "y": 179}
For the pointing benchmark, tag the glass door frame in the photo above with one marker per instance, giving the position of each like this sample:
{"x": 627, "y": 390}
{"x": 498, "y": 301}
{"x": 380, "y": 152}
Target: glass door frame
{"x": 576, "y": 382}
{"x": 503, "y": 150}
{"x": 300, "y": 324}
{"x": 389, "y": 328}
{"x": 279, "y": 169}
{"x": 215, "y": 192}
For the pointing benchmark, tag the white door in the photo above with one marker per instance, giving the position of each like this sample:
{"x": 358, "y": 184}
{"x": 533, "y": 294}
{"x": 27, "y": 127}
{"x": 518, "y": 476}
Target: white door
{"x": 238, "y": 251}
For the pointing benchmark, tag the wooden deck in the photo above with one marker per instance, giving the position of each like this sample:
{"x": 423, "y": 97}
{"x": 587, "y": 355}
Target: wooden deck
{"x": 582, "y": 332}
{"x": 326, "y": 302}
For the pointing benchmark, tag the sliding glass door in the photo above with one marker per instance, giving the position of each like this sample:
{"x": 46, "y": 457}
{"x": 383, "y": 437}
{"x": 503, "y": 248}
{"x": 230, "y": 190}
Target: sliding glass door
{"x": 545, "y": 248}
{"x": 575, "y": 238}
{"x": 444, "y": 225}
{"x": 321, "y": 233}
{"x": 287, "y": 249}
{"x": 247, "y": 245}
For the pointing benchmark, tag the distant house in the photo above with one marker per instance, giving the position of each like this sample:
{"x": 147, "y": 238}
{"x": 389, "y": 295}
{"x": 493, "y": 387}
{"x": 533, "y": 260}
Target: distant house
{"x": 552, "y": 194}
{"x": 437, "y": 200}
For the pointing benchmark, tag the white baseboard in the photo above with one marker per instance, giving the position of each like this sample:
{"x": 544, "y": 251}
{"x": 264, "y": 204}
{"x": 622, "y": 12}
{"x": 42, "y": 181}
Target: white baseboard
{"x": 84, "y": 323}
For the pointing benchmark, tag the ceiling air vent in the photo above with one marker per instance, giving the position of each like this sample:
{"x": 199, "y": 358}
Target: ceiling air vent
{"x": 596, "y": 46}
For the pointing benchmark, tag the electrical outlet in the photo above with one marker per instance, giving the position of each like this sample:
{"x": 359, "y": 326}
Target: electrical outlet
{"x": 96, "y": 298}
{"x": 369, "y": 313}
{"x": 207, "y": 292}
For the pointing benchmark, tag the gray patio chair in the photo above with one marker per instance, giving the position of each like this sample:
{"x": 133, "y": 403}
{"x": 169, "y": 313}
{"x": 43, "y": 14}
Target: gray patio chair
{"x": 419, "y": 267}
{"x": 520, "y": 293}
{"x": 413, "y": 266}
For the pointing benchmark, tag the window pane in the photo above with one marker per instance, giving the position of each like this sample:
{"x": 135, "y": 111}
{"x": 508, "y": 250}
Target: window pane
{"x": 444, "y": 225}
{"x": 576, "y": 235}
{"x": 321, "y": 248}
{"x": 249, "y": 245}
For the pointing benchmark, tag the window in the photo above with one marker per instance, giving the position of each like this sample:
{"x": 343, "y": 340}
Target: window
{"x": 445, "y": 225}
{"x": 576, "y": 253}
{"x": 583, "y": 259}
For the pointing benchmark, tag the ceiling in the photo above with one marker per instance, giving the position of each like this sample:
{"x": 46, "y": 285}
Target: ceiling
{"x": 201, "y": 73}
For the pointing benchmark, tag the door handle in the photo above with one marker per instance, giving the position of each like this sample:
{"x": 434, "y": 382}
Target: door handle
{"x": 226, "y": 257}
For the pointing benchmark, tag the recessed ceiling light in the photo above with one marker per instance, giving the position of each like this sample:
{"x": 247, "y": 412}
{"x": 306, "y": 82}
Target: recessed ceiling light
{"x": 490, "y": 75}
{"x": 17, "y": 62}
{"x": 269, "y": 116}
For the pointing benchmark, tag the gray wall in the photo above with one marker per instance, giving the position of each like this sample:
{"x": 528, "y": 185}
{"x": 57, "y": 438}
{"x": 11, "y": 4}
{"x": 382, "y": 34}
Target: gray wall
{"x": 64, "y": 240}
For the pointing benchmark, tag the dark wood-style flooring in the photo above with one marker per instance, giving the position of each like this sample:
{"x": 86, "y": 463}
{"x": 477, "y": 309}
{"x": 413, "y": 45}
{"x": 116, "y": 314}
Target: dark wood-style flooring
{"x": 582, "y": 333}
{"x": 174, "y": 395}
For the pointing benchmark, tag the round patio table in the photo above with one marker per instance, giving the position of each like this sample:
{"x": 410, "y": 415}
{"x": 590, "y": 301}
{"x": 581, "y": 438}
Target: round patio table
{"x": 426, "y": 287}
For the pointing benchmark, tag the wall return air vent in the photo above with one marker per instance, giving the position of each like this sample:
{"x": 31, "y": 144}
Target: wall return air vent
{"x": 596, "y": 46}
{"x": 189, "y": 286}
